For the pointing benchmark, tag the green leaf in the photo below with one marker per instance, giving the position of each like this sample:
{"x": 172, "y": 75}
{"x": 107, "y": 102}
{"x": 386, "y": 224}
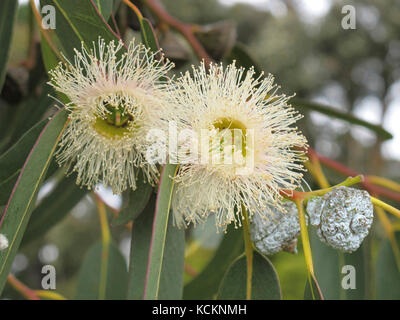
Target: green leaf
{"x": 159, "y": 232}
{"x": 21, "y": 203}
{"x": 147, "y": 33}
{"x": 329, "y": 111}
{"x": 53, "y": 208}
{"x": 387, "y": 272}
{"x": 31, "y": 111}
{"x": 326, "y": 268}
{"x": 148, "y": 37}
{"x": 105, "y": 7}
{"x": 12, "y": 161}
{"x": 137, "y": 201}
{"x": 14, "y": 158}
{"x": 206, "y": 284}
{"x": 89, "y": 281}
{"x": 140, "y": 245}
{"x": 314, "y": 293}
{"x": 171, "y": 281}
{"x": 78, "y": 21}
{"x": 8, "y": 9}
{"x": 357, "y": 260}
{"x": 6, "y": 187}
{"x": 265, "y": 282}
{"x": 50, "y": 60}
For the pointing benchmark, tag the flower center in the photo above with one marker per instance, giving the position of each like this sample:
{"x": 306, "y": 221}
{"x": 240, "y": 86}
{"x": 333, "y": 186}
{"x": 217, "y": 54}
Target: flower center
{"x": 117, "y": 116}
{"x": 233, "y": 133}
{"x": 115, "y": 124}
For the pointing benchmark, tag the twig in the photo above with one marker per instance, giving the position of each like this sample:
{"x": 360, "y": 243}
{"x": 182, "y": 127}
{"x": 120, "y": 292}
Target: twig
{"x": 50, "y": 295}
{"x": 340, "y": 168}
{"x": 21, "y": 288}
{"x": 249, "y": 252}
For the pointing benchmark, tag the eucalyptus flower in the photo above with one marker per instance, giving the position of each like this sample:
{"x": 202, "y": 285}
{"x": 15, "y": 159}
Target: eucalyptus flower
{"x": 114, "y": 99}
{"x": 247, "y": 150}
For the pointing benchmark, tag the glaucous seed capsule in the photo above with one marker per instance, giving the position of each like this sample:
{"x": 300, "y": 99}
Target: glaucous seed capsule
{"x": 279, "y": 233}
{"x": 3, "y": 242}
{"x": 342, "y": 216}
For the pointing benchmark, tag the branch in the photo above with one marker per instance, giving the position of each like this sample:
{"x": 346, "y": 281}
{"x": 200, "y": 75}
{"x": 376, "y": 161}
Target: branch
{"x": 21, "y": 288}
{"x": 367, "y": 184}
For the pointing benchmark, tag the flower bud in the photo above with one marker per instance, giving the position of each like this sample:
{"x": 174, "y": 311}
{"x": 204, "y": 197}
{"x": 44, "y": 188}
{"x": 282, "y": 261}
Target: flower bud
{"x": 278, "y": 233}
{"x": 343, "y": 217}
{"x": 3, "y": 242}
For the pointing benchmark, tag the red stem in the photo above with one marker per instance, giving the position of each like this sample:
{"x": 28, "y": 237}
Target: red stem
{"x": 338, "y": 167}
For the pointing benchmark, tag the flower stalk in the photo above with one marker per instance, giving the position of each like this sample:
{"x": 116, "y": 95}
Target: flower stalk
{"x": 248, "y": 251}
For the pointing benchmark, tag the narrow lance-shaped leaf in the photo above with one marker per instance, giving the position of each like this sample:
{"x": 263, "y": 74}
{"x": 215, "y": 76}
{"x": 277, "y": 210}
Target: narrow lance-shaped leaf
{"x": 147, "y": 33}
{"x": 387, "y": 272}
{"x": 75, "y": 26}
{"x": 22, "y": 200}
{"x": 171, "y": 279}
{"x": 159, "y": 232}
{"x": 329, "y": 111}
{"x": 50, "y": 60}
{"x": 53, "y": 208}
{"x": 12, "y": 161}
{"x": 148, "y": 37}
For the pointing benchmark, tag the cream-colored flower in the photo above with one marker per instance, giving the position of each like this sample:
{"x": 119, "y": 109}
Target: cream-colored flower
{"x": 115, "y": 96}
{"x": 229, "y": 102}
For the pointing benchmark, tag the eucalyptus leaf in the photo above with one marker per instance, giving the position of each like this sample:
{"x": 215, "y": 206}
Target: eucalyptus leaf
{"x": 53, "y": 208}
{"x": 148, "y": 36}
{"x": 264, "y": 282}
{"x": 90, "y": 281}
{"x": 75, "y": 26}
{"x": 32, "y": 111}
{"x": 206, "y": 284}
{"x": 6, "y": 187}
{"x": 21, "y": 203}
{"x": 171, "y": 277}
{"x": 387, "y": 272}
{"x": 136, "y": 202}
{"x": 334, "y": 113}
{"x": 159, "y": 232}
{"x": 105, "y": 7}
{"x": 326, "y": 267}
{"x": 12, "y": 161}
{"x": 50, "y": 60}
